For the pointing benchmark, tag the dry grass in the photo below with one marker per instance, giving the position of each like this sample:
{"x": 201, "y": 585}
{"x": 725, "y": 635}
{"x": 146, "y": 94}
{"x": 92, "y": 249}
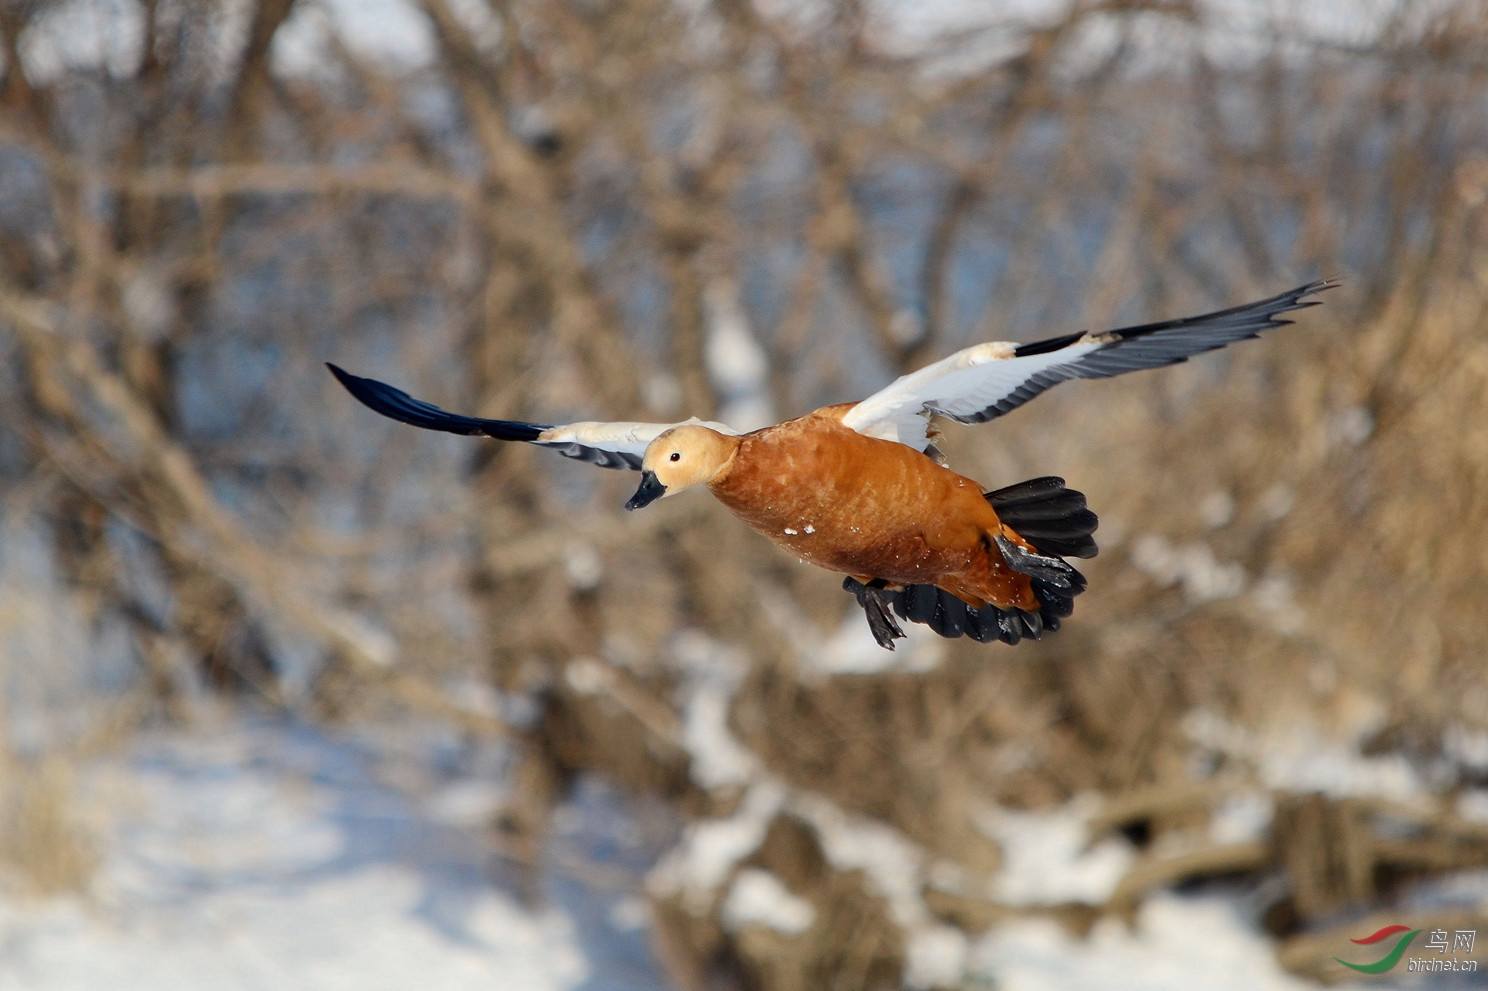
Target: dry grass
{"x": 44, "y": 849}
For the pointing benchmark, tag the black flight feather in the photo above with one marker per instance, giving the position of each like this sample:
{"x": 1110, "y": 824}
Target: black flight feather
{"x": 399, "y": 405}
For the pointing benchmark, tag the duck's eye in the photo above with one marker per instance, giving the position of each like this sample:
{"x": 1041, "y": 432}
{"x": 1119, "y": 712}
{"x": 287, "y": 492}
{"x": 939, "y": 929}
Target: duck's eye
{"x": 676, "y": 455}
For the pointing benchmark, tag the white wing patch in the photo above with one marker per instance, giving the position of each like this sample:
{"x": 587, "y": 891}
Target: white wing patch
{"x": 971, "y": 386}
{"x": 609, "y": 445}
{"x": 613, "y": 445}
{"x": 960, "y": 386}
{"x": 989, "y": 380}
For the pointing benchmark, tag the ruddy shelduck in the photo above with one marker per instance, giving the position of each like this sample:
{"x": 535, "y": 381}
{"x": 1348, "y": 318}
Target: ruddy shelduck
{"x": 860, "y": 489}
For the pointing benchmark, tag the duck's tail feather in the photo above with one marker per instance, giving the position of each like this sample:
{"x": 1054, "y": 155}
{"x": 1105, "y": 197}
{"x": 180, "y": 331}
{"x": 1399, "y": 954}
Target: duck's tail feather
{"x": 950, "y": 617}
{"x": 1049, "y": 516}
{"x": 1045, "y": 514}
{"x": 1056, "y": 521}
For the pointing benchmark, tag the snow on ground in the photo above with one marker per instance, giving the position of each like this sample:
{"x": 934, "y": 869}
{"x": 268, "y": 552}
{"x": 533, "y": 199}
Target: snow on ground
{"x": 360, "y": 930}
{"x": 268, "y": 855}
{"x": 257, "y": 854}
{"x": 1179, "y": 943}
{"x": 1048, "y": 857}
{"x": 1300, "y": 759}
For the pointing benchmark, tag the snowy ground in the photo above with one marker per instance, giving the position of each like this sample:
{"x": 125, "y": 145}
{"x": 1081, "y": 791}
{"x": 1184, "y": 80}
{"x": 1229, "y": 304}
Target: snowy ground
{"x": 267, "y": 855}
{"x": 248, "y": 854}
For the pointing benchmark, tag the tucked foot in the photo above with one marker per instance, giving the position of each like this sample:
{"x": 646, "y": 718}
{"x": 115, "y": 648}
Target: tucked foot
{"x": 1050, "y": 569}
{"x": 880, "y": 620}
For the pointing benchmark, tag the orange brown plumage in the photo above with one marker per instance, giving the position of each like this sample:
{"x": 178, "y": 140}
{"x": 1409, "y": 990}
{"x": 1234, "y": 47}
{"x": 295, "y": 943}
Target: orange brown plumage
{"x": 870, "y": 508}
{"x": 858, "y": 488}
{"x": 915, "y": 538}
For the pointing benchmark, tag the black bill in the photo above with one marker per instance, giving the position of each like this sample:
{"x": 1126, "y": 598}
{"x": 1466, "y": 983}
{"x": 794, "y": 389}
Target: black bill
{"x": 651, "y": 489}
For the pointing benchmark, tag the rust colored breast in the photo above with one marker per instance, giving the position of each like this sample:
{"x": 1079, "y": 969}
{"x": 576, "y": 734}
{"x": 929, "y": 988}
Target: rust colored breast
{"x": 870, "y": 508}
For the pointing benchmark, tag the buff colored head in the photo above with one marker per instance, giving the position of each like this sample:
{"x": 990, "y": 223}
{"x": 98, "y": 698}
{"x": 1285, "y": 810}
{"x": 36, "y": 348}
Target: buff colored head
{"x": 679, "y": 459}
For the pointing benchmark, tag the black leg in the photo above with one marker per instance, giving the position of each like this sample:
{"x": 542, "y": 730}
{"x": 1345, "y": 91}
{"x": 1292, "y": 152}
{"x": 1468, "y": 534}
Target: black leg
{"x": 880, "y": 620}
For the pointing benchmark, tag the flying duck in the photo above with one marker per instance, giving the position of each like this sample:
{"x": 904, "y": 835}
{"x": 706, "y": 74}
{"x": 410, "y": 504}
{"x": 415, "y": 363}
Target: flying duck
{"x": 860, "y": 489}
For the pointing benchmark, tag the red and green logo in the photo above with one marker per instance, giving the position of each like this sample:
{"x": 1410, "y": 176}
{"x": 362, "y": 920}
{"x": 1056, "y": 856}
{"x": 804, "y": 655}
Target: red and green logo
{"x": 1389, "y": 959}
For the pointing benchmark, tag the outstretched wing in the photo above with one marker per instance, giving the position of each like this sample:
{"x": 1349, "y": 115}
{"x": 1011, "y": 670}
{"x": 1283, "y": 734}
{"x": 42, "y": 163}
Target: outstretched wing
{"x": 988, "y": 380}
{"x": 399, "y": 405}
{"x": 609, "y": 445}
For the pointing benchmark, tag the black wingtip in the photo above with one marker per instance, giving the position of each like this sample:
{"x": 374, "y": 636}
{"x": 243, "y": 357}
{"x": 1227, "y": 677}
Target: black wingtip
{"x": 1312, "y": 288}
{"x": 1296, "y": 299}
{"x": 364, "y": 390}
{"x": 342, "y": 375}
{"x": 395, "y": 404}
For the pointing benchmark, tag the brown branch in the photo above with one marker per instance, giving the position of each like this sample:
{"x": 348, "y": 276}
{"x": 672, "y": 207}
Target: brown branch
{"x": 203, "y": 532}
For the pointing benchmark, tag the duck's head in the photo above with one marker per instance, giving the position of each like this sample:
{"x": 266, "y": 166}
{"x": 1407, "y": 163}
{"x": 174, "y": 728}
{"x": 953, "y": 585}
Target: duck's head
{"x": 679, "y": 459}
